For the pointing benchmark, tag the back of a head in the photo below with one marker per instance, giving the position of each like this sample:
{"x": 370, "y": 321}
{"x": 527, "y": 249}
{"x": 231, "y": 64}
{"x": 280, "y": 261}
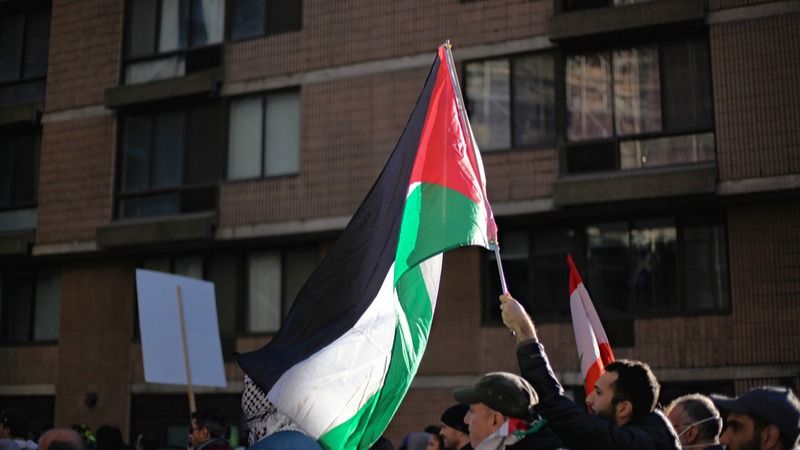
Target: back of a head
{"x": 16, "y": 421}
{"x": 637, "y": 384}
{"x": 214, "y": 419}
{"x": 382, "y": 444}
{"x": 61, "y": 439}
{"x": 697, "y": 408}
{"x": 109, "y": 438}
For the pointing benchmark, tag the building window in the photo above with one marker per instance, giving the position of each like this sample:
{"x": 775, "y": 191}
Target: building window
{"x": 638, "y": 107}
{"x": 511, "y": 101}
{"x": 170, "y": 162}
{"x": 577, "y": 5}
{"x": 632, "y": 268}
{"x": 264, "y": 135}
{"x": 30, "y": 306}
{"x": 263, "y": 17}
{"x": 253, "y": 290}
{"x": 24, "y": 43}
{"x": 19, "y": 170}
{"x": 170, "y": 38}
{"x": 274, "y": 280}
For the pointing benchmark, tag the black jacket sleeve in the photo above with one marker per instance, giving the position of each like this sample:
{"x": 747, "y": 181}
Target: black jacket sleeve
{"x": 572, "y": 422}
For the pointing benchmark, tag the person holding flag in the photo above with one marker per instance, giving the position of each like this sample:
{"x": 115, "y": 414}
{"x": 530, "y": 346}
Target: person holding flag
{"x": 623, "y": 397}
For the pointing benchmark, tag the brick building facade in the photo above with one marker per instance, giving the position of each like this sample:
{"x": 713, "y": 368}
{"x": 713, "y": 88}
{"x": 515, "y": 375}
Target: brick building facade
{"x": 659, "y": 141}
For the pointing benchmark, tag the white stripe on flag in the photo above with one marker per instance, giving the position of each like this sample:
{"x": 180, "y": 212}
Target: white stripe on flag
{"x": 588, "y": 351}
{"x": 330, "y": 387}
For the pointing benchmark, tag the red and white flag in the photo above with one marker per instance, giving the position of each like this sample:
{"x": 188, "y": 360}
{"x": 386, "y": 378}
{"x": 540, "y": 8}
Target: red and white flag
{"x": 594, "y": 351}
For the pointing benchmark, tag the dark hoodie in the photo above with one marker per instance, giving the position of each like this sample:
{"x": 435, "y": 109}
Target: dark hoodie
{"x": 579, "y": 429}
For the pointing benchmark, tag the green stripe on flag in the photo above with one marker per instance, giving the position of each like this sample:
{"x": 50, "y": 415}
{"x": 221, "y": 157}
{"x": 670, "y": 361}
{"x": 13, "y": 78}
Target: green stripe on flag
{"x": 436, "y": 219}
{"x": 410, "y": 339}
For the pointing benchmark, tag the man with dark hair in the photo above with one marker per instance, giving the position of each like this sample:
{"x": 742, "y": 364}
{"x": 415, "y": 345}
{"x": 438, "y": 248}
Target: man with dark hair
{"x": 209, "y": 428}
{"x": 454, "y": 431}
{"x": 696, "y": 420}
{"x": 763, "y": 418}
{"x": 623, "y": 399}
{"x": 14, "y": 426}
{"x": 61, "y": 439}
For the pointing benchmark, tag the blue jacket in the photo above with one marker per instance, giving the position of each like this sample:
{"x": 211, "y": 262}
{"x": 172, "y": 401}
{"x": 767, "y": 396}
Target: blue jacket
{"x": 575, "y": 426}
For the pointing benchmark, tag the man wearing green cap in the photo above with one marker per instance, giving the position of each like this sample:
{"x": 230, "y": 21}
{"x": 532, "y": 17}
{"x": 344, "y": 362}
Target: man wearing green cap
{"x": 501, "y": 414}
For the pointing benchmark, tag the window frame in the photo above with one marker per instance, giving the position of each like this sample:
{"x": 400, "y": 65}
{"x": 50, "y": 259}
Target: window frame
{"x": 229, "y": 18}
{"x": 184, "y": 186}
{"x": 186, "y": 52}
{"x": 613, "y": 142}
{"x": 511, "y": 57}
{"x": 34, "y": 273}
{"x": 35, "y": 132}
{"x": 27, "y": 10}
{"x": 262, "y": 97}
{"x": 579, "y": 246}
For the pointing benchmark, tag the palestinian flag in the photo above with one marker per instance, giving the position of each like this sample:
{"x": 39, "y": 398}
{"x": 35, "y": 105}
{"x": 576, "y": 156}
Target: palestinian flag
{"x": 594, "y": 351}
{"x": 351, "y": 343}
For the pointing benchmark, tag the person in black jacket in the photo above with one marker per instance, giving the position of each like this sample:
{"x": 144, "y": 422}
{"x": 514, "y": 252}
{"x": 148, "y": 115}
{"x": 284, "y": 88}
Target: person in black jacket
{"x": 623, "y": 400}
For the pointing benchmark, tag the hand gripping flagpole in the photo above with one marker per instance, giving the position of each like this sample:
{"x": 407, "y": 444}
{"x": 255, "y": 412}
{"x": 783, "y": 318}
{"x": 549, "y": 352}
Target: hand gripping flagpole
{"x": 465, "y": 125}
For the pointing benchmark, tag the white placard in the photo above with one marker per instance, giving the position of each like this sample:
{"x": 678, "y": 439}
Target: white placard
{"x": 160, "y": 327}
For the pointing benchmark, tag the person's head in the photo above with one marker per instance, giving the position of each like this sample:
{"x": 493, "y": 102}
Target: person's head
{"x": 762, "y": 418}
{"x": 207, "y": 424}
{"x": 382, "y": 444}
{"x": 13, "y": 424}
{"x": 625, "y": 392}
{"x": 492, "y": 399}
{"x": 696, "y": 420}
{"x": 454, "y": 430}
{"x": 435, "y": 441}
{"x": 417, "y": 440}
{"x": 61, "y": 439}
{"x": 146, "y": 441}
{"x": 109, "y": 438}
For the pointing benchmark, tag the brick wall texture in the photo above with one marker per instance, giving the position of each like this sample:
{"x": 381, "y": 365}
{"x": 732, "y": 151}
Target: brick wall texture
{"x": 85, "y": 46}
{"x": 75, "y": 178}
{"x": 756, "y": 96}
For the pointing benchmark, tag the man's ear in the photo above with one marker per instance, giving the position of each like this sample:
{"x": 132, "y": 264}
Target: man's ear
{"x": 624, "y": 411}
{"x": 692, "y": 435}
{"x": 497, "y": 418}
{"x": 770, "y": 437}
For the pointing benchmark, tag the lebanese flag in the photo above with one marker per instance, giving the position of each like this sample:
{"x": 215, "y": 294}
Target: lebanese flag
{"x": 350, "y": 346}
{"x": 594, "y": 351}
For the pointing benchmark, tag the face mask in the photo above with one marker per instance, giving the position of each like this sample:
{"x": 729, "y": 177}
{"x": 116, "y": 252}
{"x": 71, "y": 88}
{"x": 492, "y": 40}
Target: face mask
{"x": 707, "y": 419}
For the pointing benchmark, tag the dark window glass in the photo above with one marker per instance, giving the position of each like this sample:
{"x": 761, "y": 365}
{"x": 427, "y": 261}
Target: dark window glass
{"x": 24, "y": 42}
{"x": 208, "y": 19}
{"x": 489, "y": 98}
{"x": 168, "y": 150}
{"x": 37, "y": 39}
{"x": 223, "y": 271}
{"x": 11, "y": 39}
{"x": 203, "y": 166}
{"x": 630, "y": 268}
{"x": 19, "y": 164}
{"x": 142, "y": 27}
{"x": 16, "y": 296}
{"x": 298, "y": 263}
{"x": 573, "y": 5}
{"x": 170, "y": 162}
{"x": 550, "y": 293}
{"x": 688, "y": 104}
{"x": 248, "y": 18}
{"x": 283, "y": 15}
{"x": 705, "y": 268}
{"x": 136, "y": 154}
{"x": 514, "y": 251}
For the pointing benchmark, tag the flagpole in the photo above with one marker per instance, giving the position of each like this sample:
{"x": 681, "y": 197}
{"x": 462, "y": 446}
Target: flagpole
{"x": 462, "y": 110}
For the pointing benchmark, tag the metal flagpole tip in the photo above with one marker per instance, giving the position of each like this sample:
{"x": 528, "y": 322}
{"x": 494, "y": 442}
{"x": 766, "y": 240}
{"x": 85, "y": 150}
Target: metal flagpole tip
{"x": 447, "y": 43}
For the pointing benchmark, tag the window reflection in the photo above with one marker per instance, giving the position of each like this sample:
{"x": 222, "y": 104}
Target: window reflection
{"x": 589, "y": 96}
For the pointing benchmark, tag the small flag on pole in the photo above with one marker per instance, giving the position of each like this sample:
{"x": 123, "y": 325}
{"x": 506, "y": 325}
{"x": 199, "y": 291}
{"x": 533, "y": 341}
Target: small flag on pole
{"x": 352, "y": 342}
{"x": 594, "y": 351}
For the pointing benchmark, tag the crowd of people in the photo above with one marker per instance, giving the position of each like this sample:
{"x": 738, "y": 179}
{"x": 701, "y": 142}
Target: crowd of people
{"x": 502, "y": 410}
